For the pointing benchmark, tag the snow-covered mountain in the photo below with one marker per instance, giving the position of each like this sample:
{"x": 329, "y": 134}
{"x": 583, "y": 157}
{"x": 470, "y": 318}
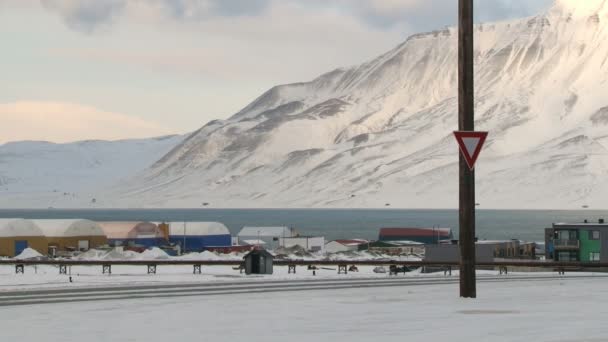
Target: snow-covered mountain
{"x": 43, "y": 174}
{"x": 380, "y": 133}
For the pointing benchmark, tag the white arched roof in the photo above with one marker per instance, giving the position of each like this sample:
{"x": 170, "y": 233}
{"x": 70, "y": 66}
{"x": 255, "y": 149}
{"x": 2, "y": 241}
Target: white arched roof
{"x": 69, "y": 228}
{"x": 130, "y": 230}
{"x": 19, "y": 227}
{"x": 117, "y": 230}
{"x": 198, "y": 228}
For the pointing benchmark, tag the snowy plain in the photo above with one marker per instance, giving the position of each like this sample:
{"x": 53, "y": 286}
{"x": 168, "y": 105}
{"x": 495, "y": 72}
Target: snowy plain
{"x": 509, "y": 311}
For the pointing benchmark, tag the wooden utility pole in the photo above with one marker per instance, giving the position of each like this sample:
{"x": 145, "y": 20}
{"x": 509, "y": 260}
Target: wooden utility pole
{"x": 466, "y": 115}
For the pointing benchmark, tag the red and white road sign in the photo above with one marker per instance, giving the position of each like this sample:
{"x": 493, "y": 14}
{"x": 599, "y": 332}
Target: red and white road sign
{"x": 470, "y": 144}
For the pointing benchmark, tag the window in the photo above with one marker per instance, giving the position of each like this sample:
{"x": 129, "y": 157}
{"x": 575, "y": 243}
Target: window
{"x": 594, "y": 235}
{"x": 567, "y": 256}
{"x": 594, "y": 256}
{"x": 566, "y": 235}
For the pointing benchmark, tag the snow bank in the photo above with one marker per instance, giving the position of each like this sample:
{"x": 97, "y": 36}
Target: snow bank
{"x": 211, "y": 256}
{"x": 120, "y": 254}
{"x": 91, "y": 254}
{"x": 29, "y": 253}
{"x": 366, "y": 255}
{"x": 154, "y": 253}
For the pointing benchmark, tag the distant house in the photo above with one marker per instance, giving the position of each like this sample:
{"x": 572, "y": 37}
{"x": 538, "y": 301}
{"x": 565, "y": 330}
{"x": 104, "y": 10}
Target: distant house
{"x": 511, "y": 249}
{"x": 585, "y": 242}
{"x": 309, "y": 243}
{"x": 338, "y": 246}
{"x": 420, "y": 235}
{"x": 395, "y": 247}
{"x": 269, "y": 237}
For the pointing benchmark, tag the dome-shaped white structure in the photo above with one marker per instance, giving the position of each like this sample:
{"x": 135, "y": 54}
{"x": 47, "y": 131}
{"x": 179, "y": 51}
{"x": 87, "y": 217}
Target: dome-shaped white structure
{"x": 197, "y": 236}
{"x": 17, "y": 235}
{"x": 146, "y": 234}
{"x": 70, "y": 228}
{"x": 19, "y": 227}
{"x": 197, "y": 228}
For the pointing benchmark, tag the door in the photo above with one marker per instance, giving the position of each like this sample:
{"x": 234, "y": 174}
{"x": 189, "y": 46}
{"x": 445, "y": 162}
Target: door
{"x": 83, "y": 245}
{"x": 255, "y": 264}
{"x": 20, "y": 246}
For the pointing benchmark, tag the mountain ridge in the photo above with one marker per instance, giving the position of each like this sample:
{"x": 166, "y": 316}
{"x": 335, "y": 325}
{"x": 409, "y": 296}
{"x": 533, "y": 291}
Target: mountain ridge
{"x": 379, "y": 133}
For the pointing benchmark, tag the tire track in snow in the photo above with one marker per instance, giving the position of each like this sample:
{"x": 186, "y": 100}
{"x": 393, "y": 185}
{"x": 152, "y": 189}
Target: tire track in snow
{"x": 34, "y": 297}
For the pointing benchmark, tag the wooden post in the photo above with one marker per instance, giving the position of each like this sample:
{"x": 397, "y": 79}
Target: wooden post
{"x": 466, "y": 118}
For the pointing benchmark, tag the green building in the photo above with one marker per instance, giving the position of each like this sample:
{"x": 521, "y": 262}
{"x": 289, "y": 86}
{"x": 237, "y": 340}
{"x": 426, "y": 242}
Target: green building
{"x": 585, "y": 242}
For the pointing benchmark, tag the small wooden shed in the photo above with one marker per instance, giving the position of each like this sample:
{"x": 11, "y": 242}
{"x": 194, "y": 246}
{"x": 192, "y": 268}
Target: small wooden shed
{"x": 258, "y": 261}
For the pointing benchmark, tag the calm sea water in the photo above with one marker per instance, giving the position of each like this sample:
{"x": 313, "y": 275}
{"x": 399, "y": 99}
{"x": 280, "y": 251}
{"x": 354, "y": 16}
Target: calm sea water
{"x": 338, "y": 223}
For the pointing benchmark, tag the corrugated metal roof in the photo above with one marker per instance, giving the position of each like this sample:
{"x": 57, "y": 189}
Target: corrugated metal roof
{"x": 267, "y": 232}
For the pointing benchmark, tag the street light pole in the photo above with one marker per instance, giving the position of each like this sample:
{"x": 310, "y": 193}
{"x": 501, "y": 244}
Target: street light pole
{"x": 184, "y": 251}
{"x": 466, "y": 119}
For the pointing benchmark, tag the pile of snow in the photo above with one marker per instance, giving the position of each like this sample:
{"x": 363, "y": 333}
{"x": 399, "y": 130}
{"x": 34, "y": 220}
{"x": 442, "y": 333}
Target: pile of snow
{"x": 206, "y": 255}
{"x": 212, "y": 256}
{"x": 91, "y": 254}
{"x": 29, "y": 253}
{"x": 366, "y": 255}
{"x": 120, "y": 254}
{"x": 154, "y": 253}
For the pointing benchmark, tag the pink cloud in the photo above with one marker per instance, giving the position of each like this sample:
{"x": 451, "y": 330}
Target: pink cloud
{"x": 65, "y": 122}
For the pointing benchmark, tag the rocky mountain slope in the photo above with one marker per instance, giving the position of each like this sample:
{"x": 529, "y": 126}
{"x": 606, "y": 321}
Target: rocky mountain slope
{"x": 379, "y": 133}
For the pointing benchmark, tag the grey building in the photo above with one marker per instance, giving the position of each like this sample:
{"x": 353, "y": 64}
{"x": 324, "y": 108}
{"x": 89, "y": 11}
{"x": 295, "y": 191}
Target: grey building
{"x": 451, "y": 253}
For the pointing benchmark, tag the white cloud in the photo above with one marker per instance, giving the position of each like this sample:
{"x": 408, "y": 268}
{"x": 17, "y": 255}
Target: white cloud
{"x": 65, "y": 122}
{"x": 185, "y": 62}
{"x": 86, "y": 15}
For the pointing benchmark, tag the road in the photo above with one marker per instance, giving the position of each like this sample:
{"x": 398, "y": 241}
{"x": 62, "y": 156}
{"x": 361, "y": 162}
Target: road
{"x": 68, "y": 295}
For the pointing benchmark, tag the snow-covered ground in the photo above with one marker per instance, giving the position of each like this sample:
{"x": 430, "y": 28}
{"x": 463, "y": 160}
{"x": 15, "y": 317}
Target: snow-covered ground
{"x": 558, "y": 310}
{"x": 85, "y": 276}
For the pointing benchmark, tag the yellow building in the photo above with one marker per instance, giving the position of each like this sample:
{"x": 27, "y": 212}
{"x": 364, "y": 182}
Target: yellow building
{"x": 19, "y": 234}
{"x": 72, "y": 235}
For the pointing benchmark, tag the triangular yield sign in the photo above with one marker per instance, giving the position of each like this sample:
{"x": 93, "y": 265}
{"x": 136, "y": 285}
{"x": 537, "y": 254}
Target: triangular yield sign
{"x": 470, "y": 144}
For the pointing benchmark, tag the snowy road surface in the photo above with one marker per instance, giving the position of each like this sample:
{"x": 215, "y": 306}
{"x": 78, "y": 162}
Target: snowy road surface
{"x": 144, "y": 292}
{"x": 551, "y": 311}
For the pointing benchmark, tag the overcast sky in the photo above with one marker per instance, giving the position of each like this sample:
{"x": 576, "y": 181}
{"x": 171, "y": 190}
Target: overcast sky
{"x": 111, "y": 69}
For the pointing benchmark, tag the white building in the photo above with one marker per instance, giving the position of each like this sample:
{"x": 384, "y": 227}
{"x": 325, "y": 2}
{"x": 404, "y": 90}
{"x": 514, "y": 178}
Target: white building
{"x": 268, "y": 237}
{"x": 338, "y": 246}
{"x": 309, "y": 243}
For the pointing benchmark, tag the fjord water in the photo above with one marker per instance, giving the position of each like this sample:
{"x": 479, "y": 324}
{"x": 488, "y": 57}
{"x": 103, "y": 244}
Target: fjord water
{"x": 526, "y": 225}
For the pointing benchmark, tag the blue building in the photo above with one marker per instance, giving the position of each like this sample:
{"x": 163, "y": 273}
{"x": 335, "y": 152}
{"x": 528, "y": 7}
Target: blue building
{"x": 198, "y": 236}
